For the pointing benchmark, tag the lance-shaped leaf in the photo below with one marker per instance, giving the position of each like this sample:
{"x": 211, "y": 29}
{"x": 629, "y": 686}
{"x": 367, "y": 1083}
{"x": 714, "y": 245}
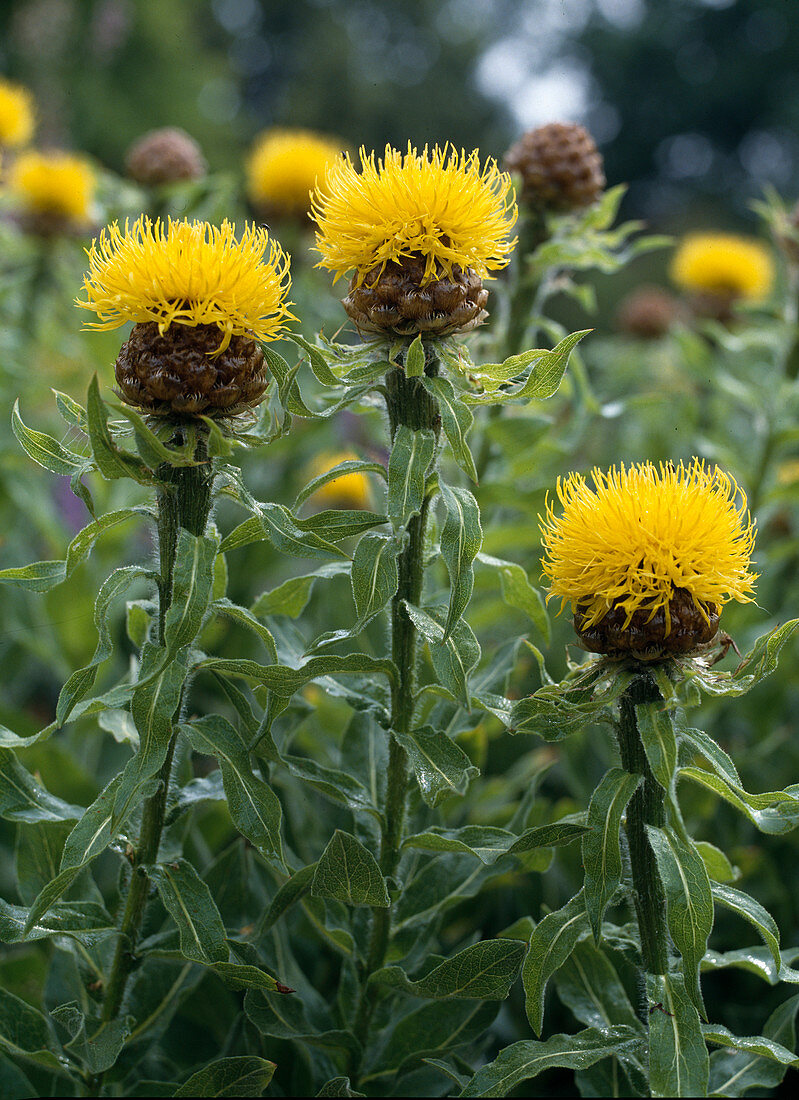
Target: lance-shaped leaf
{"x": 484, "y": 971}
{"x": 589, "y": 985}
{"x": 750, "y": 1044}
{"x": 543, "y": 380}
{"x": 524, "y": 1060}
{"x": 348, "y": 872}
{"x": 735, "y": 1074}
{"x": 41, "y": 576}
{"x": 290, "y": 892}
{"x": 85, "y": 921}
{"x": 24, "y": 1032}
{"x": 518, "y": 592}
{"x": 461, "y": 539}
{"x": 336, "y": 524}
{"x": 23, "y": 799}
{"x": 602, "y": 847}
{"x": 441, "y": 767}
{"x": 435, "y": 1029}
{"x": 456, "y": 420}
{"x": 285, "y": 681}
{"x": 291, "y": 597}
{"x": 452, "y": 659}
{"x": 317, "y": 361}
{"x": 289, "y": 538}
{"x": 415, "y": 358}
{"x": 191, "y": 589}
{"x": 688, "y": 900}
{"x": 112, "y": 462}
{"x": 551, "y": 943}
{"x": 718, "y": 866}
{"x": 94, "y": 1042}
{"x": 281, "y": 1017}
{"x": 753, "y": 912}
{"x": 188, "y": 901}
{"x": 659, "y": 740}
{"x": 254, "y": 807}
{"x": 678, "y": 1058}
{"x": 488, "y": 843}
{"x": 241, "y": 1076}
{"x": 83, "y": 680}
{"x": 781, "y": 812}
{"x": 246, "y": 618}
{"x": 152, "y": 449}
{"x": 408, "y": 463}
{"x": 375, "y": 576}
{"x": 341, "y": 469}
{"x": 45, "y": 450}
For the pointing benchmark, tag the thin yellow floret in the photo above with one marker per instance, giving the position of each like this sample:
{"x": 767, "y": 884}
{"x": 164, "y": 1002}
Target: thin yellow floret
{"x": 189, "y": 273}
{"x": 284, "y": 166}
{"x": 724, "y": 264}
{"x": 640, "y": 533}
{"x": 54, "y": 183}
{"x": 439, "y": 205}
{"x": 16, "y": 115}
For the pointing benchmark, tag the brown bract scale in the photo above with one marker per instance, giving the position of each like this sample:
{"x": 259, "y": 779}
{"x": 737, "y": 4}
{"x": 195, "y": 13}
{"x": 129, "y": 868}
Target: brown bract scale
{"x": 165, "y": 156}
{"x": 394, "y": 300}
{"x": 646, "y": 638}
{"x": 560, "y": 166}
{"x": 179, "y": 374}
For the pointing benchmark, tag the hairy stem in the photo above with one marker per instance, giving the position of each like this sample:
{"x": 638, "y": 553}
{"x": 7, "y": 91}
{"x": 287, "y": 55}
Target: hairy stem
{"x": 646, "y": 807}
{"x": 409, "y": 404}
{"x": 184, "y": 500}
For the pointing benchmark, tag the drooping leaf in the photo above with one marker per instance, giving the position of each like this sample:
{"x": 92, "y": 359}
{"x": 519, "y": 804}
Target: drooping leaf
{"x": 441, "y": 767}
{"x": 23, "y": 799}
{"x": 188, "y": 901}
{"x": 551, "y": 943}
{"x": 753, "y": 912}
{"x": 44, "y": 449}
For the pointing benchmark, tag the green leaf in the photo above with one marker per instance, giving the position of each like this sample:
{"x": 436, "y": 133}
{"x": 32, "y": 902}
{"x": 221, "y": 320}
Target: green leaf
{"x": 282, "y": 530}
{"x": 254, "y": 807}
{"x": 317, "y": 360}
{"x": 23, "y": 799}
{"x": 415, "y": 358}
{"x": 83, "y": 680}
{"x": 112, "y": 462}
{"x": 191, "y": 589}
{"x": 589, "y": 985}
{"x": 337, "y": 524}
{"x": 188, "y": 901}
{"x": 518, "y": 592}
{"x": 41, "y": 576}
{"x": 718, "y": 866}
{"x": 153, "y": 450}
{"x": 348, "y": 872}
{"x": 688, "y": 899}
{"x": 246, "y": 618}
{"x": 452, "y": 659}
{"x": 751, "y": 911}
{"x": 659, "y": 740}
{"x": 410, "y": 459}
{"x": 85, "y": 921}
{"x": 244, "y": 976}
{"x": 488, "y": 843}
{"x": 24, "y": 1032}
{"x": 602, "y": 859}
{"x": 99, "y": 1050}
{"x": 338, "y": 1086}
{"x": 71, "y": 412}
{"x": 543, "y": 380}
{"x": 551, "y": 943}
{"x": 678, "y": 1058}
{"x": 45, "y": 450}
{"x": 286, "y": 681}
{"x": 441, "y": 767}
{"x": 244, "y": 1076}
{"x": 484, "y": 971}
{"x": 434, "y": 1029}
{"x": 750, "y": 1044}
{"x": 348, "y": 466}
{"x": 524, "y": 1060}
{"x": 781, "y": 812}
{"x": 375, "y": 576}
{"x": 290, "y": 892}
{"x": 461, "y": 539}
{"x": 291, "y": 597}
{"x": 282, "y": 1017}
{"x": 456, "y": 420}
{"x": 734, "y": 1074}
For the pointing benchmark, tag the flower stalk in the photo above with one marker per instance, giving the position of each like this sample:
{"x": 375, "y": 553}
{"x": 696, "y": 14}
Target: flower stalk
{"x": 646, "y": 807}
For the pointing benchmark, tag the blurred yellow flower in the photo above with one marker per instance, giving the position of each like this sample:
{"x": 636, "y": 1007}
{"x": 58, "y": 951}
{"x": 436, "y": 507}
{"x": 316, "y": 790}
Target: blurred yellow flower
{"x": 16, "y": 114}
{"x": 440, "y": 207}
{"x": 189, "y": 273}
{"x": 641, "y": 533}
{"x": 347, "y": 491}
{"x": 59, "y": 184}
{"x": 284, "y": 167}
{"x": 723, "y": 264}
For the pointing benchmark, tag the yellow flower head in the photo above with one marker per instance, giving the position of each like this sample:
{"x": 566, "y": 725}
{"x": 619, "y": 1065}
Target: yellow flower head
{"x": 723, "y": 264}
{"x": 16, "y": 114}
{"x": 440, "y": 206}
{"x": 54, "y": 183}
{"x": 640, "y": 533}
{"x": 189, "y": 273}
{"x": 284, "y": 166}
{"x": 347, "y": 491}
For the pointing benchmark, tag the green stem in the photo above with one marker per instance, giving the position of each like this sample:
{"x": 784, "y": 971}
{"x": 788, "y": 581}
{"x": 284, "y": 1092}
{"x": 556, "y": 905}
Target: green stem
{"x": 646, "y": 807}
{"x": 184, "y": 500}
{"x": 408, "y": 403}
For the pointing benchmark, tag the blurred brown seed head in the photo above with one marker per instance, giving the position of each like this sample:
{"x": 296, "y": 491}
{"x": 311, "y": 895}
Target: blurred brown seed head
{"x": 647, "y": 312}
{"x": 560, "y": 167}
{"x": 165, "y": 156}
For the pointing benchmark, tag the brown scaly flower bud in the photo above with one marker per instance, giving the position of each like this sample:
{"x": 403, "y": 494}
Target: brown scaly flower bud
{"x": 396, "y": 300}
{"x": 165, "y": 156}
{"x": 648, "y": 312}
{"x": 179, "y": 374}
{"x": 645, "y": 636}
{"x": 560, "y": 167}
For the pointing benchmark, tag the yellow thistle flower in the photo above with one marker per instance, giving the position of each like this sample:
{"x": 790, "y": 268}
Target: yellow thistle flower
{"x": 189, "y": 273}
{"x": 59, "y": 184}
{"x": 440, "y": 206}
{"x": 347, "y": 491}
{"x": 723, "y": 264}
{"x": 641, "y": 533}
{"x": 16, "y": 114}
{"x": 284, "y": 166}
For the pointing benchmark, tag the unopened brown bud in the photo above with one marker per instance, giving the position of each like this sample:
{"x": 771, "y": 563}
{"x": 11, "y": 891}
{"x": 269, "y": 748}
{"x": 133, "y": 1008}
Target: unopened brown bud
{"x": 648, "y": 312}
{"x": 165, "y": 156}
{"x": 560, "y": 166}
